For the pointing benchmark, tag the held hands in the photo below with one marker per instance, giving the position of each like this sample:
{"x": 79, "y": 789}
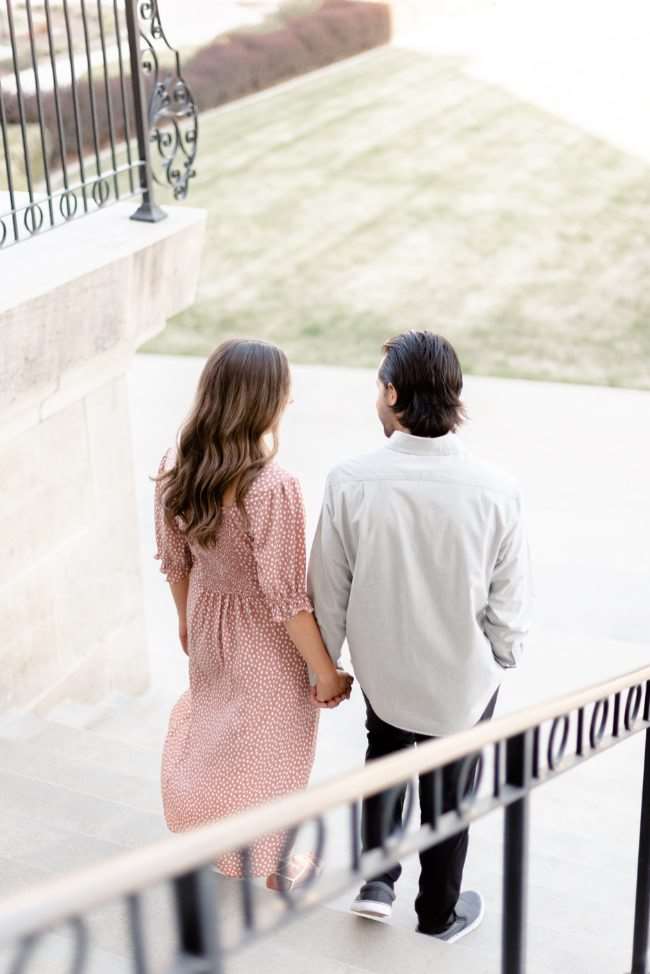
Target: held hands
{"x": 332, "y": 691}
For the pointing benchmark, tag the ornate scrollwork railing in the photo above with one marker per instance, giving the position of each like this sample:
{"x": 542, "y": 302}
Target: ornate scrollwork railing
{"x": 173, "y": 113}
{"x": 500, "y": 763}
{"x": 88, "y": 80}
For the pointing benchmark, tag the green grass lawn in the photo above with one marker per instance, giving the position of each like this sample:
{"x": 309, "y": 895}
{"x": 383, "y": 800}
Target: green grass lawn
{"x": 399, "y": 192}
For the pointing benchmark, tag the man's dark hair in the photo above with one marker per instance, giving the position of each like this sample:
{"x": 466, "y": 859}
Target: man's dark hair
{"x": 427, "y": 377}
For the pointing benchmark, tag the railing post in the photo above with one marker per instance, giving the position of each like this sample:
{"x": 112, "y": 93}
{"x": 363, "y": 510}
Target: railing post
{"x": 515, "y": 862}
{"x": 196, "y": 910}
{"x": 642, "y": 909}
{"x": 148, "y": 211}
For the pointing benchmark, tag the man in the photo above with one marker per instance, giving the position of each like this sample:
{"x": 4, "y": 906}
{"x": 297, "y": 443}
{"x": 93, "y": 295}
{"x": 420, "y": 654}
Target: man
{"x": 420, "y": 559}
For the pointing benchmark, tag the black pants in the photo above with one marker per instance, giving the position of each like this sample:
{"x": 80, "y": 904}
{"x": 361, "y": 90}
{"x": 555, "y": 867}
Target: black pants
{"x": 443, "y": 864}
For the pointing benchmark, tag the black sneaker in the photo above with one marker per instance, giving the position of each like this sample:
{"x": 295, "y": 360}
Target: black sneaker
{"x": 375, "y": 901}
{"x": 467, "y": 917}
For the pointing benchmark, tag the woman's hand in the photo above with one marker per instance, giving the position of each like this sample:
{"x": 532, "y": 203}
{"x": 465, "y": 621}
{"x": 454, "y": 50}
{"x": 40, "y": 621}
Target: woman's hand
{"x": 180, "y": 591}
{"x": 182, "y": 634}
{"x": 333, "y": 690}
{"x": 333, "y": 685}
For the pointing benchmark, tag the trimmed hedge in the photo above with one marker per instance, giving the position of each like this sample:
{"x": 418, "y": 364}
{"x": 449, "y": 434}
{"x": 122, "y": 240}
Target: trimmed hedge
{"x": 240, "y": 64}
{"x": 68, "y": 125}
{"x": 229, "y": 67}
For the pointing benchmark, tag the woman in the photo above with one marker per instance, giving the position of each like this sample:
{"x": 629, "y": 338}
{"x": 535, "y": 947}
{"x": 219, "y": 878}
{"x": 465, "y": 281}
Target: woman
{"x": 230, "y": 532}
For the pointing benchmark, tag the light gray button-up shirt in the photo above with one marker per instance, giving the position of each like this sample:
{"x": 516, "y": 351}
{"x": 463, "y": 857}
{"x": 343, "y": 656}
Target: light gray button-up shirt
{"x": 420, "y": 559}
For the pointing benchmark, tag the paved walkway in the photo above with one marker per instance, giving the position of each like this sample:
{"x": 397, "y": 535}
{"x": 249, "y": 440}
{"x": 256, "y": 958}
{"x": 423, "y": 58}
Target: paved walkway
{"x": 584, "y": 61}
{"x": 578, "y": 452}
{"x": 196, "y": 22}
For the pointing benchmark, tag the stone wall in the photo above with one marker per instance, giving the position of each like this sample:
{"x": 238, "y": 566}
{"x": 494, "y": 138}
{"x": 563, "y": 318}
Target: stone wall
{"x": 74, "y": 305}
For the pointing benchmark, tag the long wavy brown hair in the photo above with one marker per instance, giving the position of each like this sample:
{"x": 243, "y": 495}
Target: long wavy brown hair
{"x": 243, "y": 389}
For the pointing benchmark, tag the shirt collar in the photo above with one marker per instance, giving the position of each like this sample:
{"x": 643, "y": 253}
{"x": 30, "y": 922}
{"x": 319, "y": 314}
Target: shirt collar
{"x": 425, "y": 446}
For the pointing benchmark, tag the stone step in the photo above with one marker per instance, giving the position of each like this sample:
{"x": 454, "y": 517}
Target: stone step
{"x": 39, "y": 761}
{"x": 142, "y": 720}
{"x": 85, "y": 748}
{"x": 73, "y": 793}
{"x": 125, "y": 737}
{"x": 73, "y": 713}
{"x": 32, "y": 843}
{"x": 71, "y": 798}
{"x": 53, "y": 954}
{"x": 51, "y": 805}
{"x": 321, "y": 941}
{"x": 339, "y": 943}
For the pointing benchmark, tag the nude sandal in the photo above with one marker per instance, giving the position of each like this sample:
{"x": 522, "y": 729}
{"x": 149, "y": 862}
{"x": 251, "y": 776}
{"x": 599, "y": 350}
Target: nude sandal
{"x": 296, "y": 870}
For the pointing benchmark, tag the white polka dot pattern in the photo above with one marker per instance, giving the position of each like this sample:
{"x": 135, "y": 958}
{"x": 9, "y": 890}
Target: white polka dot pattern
{"x": 245, "y": 731}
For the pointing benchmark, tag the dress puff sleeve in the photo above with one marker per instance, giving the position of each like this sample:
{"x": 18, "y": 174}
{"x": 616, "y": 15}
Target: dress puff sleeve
{"x": 277, "y": 522}
{"x": 172, "y": 549}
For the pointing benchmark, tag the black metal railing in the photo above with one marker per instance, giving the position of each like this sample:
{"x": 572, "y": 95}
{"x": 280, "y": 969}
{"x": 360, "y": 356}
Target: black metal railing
{"x": 211, "y": 917}
{"x": 93, "y": 109}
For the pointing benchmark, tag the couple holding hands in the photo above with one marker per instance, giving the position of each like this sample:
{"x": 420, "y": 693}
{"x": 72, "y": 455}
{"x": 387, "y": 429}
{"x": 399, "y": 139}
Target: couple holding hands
{"x": 420, "y": 561}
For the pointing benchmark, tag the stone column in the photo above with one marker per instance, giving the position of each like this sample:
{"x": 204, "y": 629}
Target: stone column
{"x": 75, "y": 303}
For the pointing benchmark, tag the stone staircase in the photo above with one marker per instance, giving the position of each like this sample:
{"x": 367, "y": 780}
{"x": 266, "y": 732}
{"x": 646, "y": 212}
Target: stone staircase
{"x": 81, "y": 785}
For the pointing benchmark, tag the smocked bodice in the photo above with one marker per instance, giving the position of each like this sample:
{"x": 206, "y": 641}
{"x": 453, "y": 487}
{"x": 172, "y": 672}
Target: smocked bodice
{"x": 229, "y": 568}
{"x": 257, "y": 554}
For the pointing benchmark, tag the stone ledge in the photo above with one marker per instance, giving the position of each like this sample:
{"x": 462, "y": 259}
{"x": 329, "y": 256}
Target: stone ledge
{"x": 105, "y": 285}
{"x": 84, "y": 245}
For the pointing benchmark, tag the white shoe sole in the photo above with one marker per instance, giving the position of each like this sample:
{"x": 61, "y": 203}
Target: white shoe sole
{"x": 468, "y": 929}
{"x": 371, "y": 909}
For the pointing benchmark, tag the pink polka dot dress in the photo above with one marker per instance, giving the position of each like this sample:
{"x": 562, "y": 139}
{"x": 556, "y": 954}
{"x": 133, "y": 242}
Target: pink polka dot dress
{"x": 244, "y": 732}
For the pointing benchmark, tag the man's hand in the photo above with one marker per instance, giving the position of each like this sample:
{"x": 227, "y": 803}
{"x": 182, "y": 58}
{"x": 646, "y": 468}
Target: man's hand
{"x": 182, "y": 634}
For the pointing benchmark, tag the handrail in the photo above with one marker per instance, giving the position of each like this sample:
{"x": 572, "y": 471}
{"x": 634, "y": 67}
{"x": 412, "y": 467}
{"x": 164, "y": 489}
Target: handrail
{"x": 54, "y": 901}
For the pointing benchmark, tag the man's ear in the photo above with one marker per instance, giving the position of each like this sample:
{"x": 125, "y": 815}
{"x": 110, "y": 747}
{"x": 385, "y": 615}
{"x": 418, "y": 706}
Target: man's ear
{"x": 391, "y": 394}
